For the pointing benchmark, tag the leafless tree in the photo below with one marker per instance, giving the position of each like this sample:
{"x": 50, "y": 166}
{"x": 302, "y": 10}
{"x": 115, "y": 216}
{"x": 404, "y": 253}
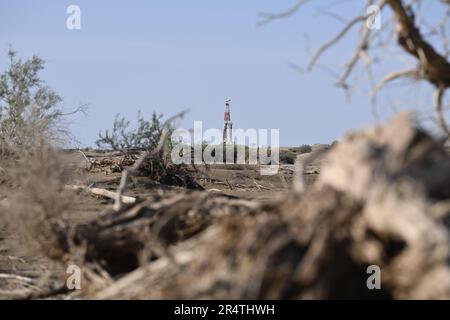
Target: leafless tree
{"x": 427, "y": 43}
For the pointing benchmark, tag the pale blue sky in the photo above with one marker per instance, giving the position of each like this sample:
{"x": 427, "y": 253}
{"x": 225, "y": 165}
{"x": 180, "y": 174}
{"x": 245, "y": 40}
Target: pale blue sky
{"x": 168, "y": 55}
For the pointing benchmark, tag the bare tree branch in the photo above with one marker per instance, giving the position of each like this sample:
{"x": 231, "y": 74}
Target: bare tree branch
{"x": 82, "y": 108}
{"x": 120, "y": 191}
{"x": 334, "y": 40}
{"x": 439, "y": 94}
{"x": 269, "y": 17}
{"x": 103, "y": 192}
{"x": 433, "y": 66}
{"x": 436, "y": 68}
{"x": 360, "y": 51}
{"x": 409, "y": 73}
{"x": 148, "y": 153}
{"x": 89, "y": 163}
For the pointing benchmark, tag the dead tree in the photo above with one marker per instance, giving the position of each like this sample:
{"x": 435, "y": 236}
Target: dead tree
{"x": 414, "y": 35}
{"x": 148, "y": 154}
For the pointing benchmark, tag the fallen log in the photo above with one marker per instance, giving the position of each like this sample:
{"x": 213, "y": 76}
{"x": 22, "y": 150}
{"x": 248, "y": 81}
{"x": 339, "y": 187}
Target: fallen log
{"x": 16, "y": 277}
{"x": 121, "y": 239}
{"x": 102, "y": 192}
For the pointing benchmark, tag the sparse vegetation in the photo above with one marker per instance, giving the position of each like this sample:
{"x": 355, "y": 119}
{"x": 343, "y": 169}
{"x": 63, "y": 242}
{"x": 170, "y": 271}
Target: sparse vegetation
{"x": 37, "y": 201}
{"x": 121, "y": 137}
{"x": 288, "y": 157}
{"x": 160, "y": 168}
{"x": 29, "y": 109}
{"x": 305, "y": 148}
{"x": 334, "y": 143}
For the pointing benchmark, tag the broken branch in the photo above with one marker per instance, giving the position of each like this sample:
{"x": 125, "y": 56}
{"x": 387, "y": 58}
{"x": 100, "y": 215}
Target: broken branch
{"x": 439, "y": 94}
{"x": 103, "y": 192}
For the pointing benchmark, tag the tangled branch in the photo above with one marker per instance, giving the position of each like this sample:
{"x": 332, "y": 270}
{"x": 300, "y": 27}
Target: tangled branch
{"x": 432, "y": 66}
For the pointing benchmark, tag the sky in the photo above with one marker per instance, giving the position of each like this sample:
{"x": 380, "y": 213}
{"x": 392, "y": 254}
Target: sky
{"x": 171, "y": 55}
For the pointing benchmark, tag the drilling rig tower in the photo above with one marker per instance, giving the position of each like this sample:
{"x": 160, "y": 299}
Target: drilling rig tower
{"x": 227, "y": 125}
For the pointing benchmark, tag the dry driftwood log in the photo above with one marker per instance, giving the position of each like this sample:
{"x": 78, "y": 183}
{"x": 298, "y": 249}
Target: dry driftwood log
{"x": 119, "y": 240}
{"x": 102, "y": 192}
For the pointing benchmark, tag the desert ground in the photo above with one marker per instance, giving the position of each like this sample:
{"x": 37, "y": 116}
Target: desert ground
{"x": 25, "y": 274}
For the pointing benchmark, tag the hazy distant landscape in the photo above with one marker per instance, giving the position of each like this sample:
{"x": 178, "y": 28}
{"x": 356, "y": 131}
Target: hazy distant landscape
{"x": 349, "y": 198}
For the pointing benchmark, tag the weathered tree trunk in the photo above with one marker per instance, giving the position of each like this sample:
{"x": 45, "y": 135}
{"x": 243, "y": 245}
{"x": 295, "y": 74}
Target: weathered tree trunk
{"x": 120, "y": 239}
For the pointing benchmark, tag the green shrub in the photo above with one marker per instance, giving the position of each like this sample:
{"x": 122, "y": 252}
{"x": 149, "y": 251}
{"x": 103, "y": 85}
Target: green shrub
{"x": 334, "y": 143}
{"x": 29, "y": 109}
{"x": 287, "y": 157}
{"x": 121, "y": 137}
{"x": 305, "y": 148}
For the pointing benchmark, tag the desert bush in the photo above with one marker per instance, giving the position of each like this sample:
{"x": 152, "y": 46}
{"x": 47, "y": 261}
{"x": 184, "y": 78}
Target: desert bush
{"x": 305, "y": 148}
{"x": 37, "y": 202}
{"x": 28, "y": 107}
{"x": 122, "y": 136}
{"x": 334, "y": 143}
{"x": 159, "y": 167}
{"x": 287, "y": 157}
